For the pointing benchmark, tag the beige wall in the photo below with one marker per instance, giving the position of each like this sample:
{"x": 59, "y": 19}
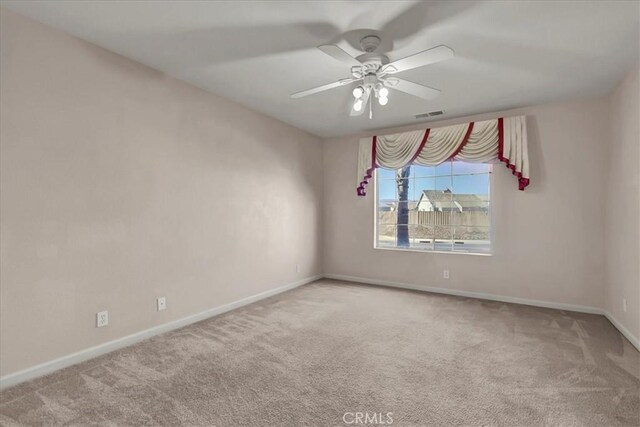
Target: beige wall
{"x": 623, "y": 204}
{"x": 120, "y": 184}
{"x": 549, "y": 240}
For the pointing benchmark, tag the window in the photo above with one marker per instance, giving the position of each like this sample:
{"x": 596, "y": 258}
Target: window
{"x": 439, "y": 208}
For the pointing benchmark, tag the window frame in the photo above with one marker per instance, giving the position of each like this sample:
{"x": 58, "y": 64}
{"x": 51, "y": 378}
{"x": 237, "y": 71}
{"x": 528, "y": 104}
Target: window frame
{"x": 376, "y": 219}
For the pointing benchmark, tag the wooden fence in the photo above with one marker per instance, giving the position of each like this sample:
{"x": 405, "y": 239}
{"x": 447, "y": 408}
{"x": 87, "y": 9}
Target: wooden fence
{"x": 470, "y": 219}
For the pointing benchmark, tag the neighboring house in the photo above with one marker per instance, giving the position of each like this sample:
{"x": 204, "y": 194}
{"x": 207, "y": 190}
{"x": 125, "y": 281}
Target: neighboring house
{"x": 445, "y": 201}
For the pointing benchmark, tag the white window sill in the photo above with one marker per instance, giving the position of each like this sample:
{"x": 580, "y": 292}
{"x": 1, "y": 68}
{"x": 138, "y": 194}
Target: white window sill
{"x": 435, "y": 252}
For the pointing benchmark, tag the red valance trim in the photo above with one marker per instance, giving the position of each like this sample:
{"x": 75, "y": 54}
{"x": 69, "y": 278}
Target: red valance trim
{"x": 374, "y": 153}
{"x": 522, "y": 182}
{"x": 363, "y": 184}
{"x": 500, "y": 138}
{"x": 463, "y": 143}
{"x": 422, "y": 144}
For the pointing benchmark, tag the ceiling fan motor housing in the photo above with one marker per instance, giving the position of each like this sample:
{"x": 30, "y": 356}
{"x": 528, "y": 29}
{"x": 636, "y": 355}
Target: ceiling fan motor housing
{"x": 370, "y": 43}
{"x": 370, "y": 80}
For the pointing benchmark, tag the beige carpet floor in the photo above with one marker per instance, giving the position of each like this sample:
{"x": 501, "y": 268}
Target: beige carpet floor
{"x": 308, "y": 356}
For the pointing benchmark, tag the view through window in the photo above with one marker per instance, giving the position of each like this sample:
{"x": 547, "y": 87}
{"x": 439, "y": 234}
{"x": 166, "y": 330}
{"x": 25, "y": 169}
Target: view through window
{"x": 440, "y": 208}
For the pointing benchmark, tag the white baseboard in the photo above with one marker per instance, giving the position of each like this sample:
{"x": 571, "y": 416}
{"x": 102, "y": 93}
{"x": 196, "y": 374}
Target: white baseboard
{"x": 624, "y": 331}
{"x": 469, "y": 294}
{"x": 480, "y": 295}
{"x": 89, "y": 353}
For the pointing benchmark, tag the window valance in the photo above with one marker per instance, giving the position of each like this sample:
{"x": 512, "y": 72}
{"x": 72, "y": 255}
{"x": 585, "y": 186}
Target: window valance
{"x": 489, "y": 141}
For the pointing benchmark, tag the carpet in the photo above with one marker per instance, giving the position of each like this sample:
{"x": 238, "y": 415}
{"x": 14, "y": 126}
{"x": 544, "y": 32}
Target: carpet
{"x": 335, "y": 354}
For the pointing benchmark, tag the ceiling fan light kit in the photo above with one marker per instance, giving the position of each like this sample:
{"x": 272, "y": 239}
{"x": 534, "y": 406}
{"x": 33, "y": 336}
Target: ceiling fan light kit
{"x": 373, "y": 73}
{"x": 357, "y": 105}
{"x": 380, "y": 92}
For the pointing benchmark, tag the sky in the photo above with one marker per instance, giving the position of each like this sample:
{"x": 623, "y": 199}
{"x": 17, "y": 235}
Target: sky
{"x": 468, "y": 178}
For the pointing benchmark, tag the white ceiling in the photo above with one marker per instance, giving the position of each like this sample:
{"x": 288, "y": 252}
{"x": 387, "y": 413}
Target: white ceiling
{"x": 508, "y": 54}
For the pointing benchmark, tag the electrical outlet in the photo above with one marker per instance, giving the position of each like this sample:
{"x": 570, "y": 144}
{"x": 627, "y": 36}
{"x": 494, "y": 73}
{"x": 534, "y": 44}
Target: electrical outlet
{"x": 162, "y": 303}
{"x": 297, "y": 268}
{"x": 445, "y": 274}
{"x": 102, "y": 319}
{"x": 624, "y": 305}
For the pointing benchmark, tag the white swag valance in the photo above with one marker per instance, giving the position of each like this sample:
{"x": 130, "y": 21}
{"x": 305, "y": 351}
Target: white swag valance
{"x": 489, "y": 141}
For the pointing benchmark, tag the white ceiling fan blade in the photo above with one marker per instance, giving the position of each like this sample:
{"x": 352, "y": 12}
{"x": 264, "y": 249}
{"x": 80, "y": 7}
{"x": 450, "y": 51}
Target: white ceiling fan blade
{"x": 322, "y": 88}
{"x": 426, "y": 57}
{"x": 365, "y": 99}
{"x": 412, "y": 88}
{"x": 337, "y": 53}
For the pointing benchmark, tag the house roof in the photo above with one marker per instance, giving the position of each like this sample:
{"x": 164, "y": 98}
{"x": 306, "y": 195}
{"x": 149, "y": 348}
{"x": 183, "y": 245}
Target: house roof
{"x": 443, "y": 198}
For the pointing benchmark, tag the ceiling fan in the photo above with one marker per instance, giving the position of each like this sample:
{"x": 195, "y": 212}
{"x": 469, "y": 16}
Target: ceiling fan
{"x": 375, "y": 74}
